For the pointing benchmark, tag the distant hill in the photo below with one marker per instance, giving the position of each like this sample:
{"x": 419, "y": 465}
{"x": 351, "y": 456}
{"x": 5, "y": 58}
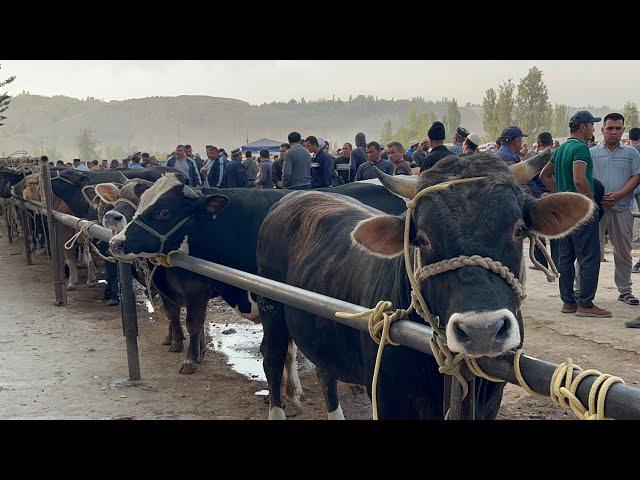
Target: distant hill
{"x": 158, "y": 124}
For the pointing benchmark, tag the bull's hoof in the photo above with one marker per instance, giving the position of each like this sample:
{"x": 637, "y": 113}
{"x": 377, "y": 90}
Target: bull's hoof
{"x": 202, "y": 352}
{"x": 112, "y": 303}
{"x": 292, "y": 410}
{"x": 176, "y": 347}
{"x": 70, "y": 288}
{"x": 167, "y": 340}
{"x": 92, "y": 284}
{"x": 188, "y": 368}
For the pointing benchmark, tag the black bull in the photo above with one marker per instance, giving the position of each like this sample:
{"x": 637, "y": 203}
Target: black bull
{"x": 228, "y": 239}
{"x": 336, "y": 247}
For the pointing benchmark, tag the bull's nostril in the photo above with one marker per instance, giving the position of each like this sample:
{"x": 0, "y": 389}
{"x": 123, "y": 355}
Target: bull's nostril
{"x": 503, "y": 332}
{"x": 117, "y": 218}
{"x": 460, "y": 334}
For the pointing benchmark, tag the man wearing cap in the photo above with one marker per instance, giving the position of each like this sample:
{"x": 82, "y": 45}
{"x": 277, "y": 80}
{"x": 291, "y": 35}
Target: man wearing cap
{"x": 617, "y": 166}
{"x": 296, "y": 169}
{"x": 413, "y": 147}
{"x": 436, "y": 136}
{"x": 321, "y": 163}
{"x": 458, "y": 139}
{"x": 511, "y": 139}
{"x": 234, "y": 175}
{"x": 470, "y": 144}
{"x": 420, "y": 154}
{"x": 571, "y": 170}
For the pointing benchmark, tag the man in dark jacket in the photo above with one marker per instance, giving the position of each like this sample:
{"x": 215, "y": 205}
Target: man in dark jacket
{"x": 276, "y": 167}
{"x": 215, "y": 166}
{"x": 234, "y": 176}
{"x": 358, "y": 155}
{"x": 321, "y": 164}
{"x": 367, "y": 170}
{"x": 185, "y": 165}
{"x": 436, "y": 136}
{"x": 396, "y": 158}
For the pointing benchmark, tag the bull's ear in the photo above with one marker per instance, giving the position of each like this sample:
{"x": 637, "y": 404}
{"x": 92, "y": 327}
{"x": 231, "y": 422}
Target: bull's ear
{"x": 107, "y": 192}
{"x": 212, "y": 203}
{"x": 558, "y": 214}
{"x": 382, "y": 235}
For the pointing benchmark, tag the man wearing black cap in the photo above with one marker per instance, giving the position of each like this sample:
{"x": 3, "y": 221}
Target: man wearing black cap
{"x": 458, "y": 139}
{"x": 511, "y": 144}
{"x": 234, "y": 176}
{"x": 571, "y": 170}
{"x": 436, "y": 136}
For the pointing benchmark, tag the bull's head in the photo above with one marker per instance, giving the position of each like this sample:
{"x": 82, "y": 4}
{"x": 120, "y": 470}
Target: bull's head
{"x": 159, "y": 224}
{"x": 489, "y": 218}
{"x": 119, "y": 204}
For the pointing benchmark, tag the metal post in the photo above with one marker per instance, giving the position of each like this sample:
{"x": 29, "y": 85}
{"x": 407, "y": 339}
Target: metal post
{"x": 129, "y": 319}
{"x": 54, "y": 230}
{"x": 462, "y": 409}
{"x": 25, "y": 233}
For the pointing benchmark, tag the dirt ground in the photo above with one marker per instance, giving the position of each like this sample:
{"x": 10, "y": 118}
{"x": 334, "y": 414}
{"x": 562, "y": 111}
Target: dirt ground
{"x": 70, "y": 362}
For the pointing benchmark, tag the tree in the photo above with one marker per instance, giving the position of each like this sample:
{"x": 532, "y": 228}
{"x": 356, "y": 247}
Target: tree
{"x": 387, "y": 133}
{"x": 504, "y": 106}
{"x": 630, "y": 114}
{"x": 453, "y": 118}
{"x": 88, "y": 145}
{"x": 532, "y": 113}
{"x": 5, "y": 98}
{"x": 489, "y": 123}
{"x": 560, "y": 121}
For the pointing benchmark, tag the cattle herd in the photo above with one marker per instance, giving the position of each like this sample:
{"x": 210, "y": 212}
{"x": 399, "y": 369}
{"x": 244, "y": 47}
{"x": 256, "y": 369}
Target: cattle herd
{"x": 345, "y": 242}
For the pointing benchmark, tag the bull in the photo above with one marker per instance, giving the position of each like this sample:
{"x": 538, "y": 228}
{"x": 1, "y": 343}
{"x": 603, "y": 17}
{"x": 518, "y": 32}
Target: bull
{"x": 341, "y": 248}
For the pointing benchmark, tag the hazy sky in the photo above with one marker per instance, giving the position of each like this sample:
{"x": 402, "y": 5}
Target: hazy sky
{"x": 571, "y": 82}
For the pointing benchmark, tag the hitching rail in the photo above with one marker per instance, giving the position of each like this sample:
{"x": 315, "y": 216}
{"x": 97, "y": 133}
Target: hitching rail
{"x": 623, "y": 401}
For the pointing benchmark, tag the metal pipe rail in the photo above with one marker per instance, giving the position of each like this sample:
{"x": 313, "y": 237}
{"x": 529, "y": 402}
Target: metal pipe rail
{"x": 623, "y": 401}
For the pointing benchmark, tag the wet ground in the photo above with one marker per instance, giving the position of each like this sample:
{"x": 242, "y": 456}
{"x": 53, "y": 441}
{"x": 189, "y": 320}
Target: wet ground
{"x": 70, "y": 362}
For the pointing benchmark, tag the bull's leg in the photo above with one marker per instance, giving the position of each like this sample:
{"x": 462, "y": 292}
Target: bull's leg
{"x": 329, "y": 386}
{"x": 175, "y": 336}
{"x": 291, "y": 386}
{"x": 70, "y": 260}
{"x": 92, "y": 281}
{"x": 274, "y": 348}
{"x": 196, "y": 313}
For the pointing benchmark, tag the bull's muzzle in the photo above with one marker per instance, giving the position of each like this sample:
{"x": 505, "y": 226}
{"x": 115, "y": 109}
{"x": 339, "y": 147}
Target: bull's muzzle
{"x": 483, "y": 334}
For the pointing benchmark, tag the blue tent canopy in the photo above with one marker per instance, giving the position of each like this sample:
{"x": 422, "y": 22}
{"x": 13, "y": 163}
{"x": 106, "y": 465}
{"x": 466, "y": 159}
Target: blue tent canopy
{"x": 272, "y": 145}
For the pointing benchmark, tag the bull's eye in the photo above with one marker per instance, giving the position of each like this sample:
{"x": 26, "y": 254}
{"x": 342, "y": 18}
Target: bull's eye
{"x": 422, "y": 240}
{"x": 519, "y": 231}
{"x": 162, "y": 214}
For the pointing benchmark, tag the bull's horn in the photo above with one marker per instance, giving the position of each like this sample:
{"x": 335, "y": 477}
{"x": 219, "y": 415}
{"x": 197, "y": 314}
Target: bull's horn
{"x": 403, "y": 185}
{"x": 525, "y": 171}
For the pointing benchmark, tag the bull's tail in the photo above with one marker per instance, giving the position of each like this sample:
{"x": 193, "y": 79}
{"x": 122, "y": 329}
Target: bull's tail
{"x": 290, "y": 377}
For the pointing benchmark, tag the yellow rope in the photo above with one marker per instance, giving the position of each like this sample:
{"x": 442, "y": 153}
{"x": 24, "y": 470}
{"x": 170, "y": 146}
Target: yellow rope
{"x": 563, "y": 388}
{"x": 380, "y": 319}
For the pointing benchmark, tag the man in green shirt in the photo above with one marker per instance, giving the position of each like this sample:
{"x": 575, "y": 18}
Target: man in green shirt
{"x": 571, "y": 170}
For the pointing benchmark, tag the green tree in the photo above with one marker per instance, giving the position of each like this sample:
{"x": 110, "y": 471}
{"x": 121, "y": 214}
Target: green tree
{"x": 504, "y": 106}
{"x": 5, "y": 98}
{"x": 532, "y": 113}
{"x": 560, "y": 121}
{"x": 386, "y": 135}
{"x": 630, "y": 114}
{"x": 489, "y": 123}
{"x": 453, "y": 118}
{"x": 88, "y": 145}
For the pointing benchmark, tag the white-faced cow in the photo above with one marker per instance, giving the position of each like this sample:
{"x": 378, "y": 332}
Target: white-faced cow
{"x": 341, "y": 248}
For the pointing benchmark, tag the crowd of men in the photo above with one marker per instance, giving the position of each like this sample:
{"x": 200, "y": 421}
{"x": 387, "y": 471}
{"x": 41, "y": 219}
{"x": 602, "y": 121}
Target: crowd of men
{"x": 608, "y": 172}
